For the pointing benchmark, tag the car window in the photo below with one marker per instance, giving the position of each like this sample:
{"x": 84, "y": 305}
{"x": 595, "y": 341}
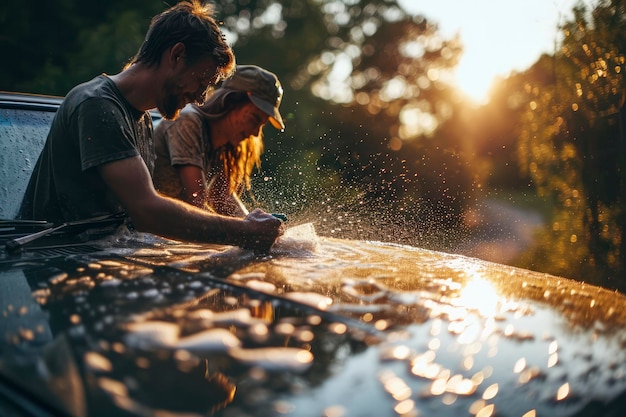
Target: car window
{"x": 22, "y": 135}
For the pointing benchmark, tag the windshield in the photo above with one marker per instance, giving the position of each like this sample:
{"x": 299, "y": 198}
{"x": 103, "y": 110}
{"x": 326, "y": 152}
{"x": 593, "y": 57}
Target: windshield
{"x": 22, "y": 135}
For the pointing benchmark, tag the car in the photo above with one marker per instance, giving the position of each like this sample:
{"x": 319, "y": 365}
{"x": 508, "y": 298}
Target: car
{"x": 100, "y": 320}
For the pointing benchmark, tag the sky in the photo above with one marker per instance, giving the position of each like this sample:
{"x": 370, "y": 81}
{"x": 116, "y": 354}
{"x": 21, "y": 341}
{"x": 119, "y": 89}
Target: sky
{"x": 499, "y": 36}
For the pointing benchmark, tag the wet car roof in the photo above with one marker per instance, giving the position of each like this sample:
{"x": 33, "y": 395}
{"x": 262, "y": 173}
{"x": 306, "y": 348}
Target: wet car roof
{"x": 131, "y": 324}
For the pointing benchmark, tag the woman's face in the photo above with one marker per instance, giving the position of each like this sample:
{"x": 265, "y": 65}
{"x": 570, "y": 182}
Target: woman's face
{"x": 246, "y": 120}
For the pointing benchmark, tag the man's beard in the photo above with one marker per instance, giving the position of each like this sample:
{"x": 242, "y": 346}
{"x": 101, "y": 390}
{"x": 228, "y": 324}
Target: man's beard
{"x": 169, "y": 109}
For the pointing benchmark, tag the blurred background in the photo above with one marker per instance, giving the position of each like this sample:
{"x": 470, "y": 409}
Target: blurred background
{"x": 493, "y": 129}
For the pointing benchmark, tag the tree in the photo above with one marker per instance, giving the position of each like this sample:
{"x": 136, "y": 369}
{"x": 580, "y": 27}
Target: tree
{"x": 573, "y": 144}
{"x": 53, "y": 46}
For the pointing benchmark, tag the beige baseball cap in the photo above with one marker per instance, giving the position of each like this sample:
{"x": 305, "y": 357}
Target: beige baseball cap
{"x": 263, "y": 88}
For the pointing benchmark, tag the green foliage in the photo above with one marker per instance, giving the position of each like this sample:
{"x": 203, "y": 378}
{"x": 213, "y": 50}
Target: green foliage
{"x": 573, "y": 147}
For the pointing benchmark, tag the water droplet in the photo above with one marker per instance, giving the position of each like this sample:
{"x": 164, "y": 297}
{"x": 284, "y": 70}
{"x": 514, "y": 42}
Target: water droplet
{"x": 519, "y": 365}
{"x": 97, "y": 362}
{"x": 563, "y": 392}
{"x": 486, "y": 411}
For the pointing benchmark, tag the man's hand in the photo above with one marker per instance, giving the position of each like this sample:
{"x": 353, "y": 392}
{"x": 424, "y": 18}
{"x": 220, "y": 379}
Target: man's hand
{"x": 261, "y": 231}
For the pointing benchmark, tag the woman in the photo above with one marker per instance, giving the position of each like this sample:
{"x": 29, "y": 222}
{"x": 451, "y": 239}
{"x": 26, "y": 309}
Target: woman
{"x": 207, "y": 155}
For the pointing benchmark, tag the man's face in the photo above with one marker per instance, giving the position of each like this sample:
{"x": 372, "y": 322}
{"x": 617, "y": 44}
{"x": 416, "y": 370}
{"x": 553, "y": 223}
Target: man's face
{"x": 188, "y": 84}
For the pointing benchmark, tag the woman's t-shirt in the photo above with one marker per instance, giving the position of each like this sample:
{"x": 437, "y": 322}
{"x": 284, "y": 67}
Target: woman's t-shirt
{"x": 183, "y": 142}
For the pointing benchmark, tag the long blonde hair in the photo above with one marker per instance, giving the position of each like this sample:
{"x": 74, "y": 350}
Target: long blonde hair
{"x": 238, "y": 162}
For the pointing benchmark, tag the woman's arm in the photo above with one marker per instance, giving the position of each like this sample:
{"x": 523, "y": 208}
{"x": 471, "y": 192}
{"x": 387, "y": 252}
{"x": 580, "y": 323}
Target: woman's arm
{"x": 222, "y": 200}
{"x": 214, "y": 196}
{"x": 194, "y": 186}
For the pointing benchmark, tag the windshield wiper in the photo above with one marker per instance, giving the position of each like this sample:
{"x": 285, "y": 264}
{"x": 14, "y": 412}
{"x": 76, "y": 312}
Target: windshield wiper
{"x": 9, "y": 225}
{"x": 13, "y": 245}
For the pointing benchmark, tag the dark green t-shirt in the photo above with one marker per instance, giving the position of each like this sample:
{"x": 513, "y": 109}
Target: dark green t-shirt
{"x": 94, "y": 125}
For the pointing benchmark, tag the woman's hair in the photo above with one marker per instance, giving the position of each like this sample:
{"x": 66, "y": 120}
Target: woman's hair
{"x": 191, "y": 23}
{"x": 238, "y": 162}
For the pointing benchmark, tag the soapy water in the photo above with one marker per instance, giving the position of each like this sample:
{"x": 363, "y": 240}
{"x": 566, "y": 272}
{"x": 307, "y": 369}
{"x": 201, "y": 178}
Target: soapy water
{"x": 299, "y": 240}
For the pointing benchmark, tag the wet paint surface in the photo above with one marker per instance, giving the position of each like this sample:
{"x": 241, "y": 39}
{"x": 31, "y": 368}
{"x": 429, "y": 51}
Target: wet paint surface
{"x": 321, "y": 326}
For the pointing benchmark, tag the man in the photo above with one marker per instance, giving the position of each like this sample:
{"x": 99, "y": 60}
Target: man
{"x": 207, "y": 155}
{"x": 98, "y": 155}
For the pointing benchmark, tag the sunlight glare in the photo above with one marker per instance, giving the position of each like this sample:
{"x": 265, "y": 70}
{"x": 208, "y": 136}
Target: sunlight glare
{"x": 479, "y": 294}
{"x": 474, "y": 79}
{"x": 416, "y": 122}
{"x": 497, "y": 37}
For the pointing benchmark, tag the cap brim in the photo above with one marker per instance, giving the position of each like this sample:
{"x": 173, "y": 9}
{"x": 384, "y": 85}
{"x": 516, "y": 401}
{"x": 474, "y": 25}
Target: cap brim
{"x": 278, "y": 124}
{"x": 275, "y": 118}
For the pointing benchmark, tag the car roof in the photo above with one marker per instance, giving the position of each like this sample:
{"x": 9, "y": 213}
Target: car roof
{"x": 26, "y": 100}
{"x": 45, "y": 102}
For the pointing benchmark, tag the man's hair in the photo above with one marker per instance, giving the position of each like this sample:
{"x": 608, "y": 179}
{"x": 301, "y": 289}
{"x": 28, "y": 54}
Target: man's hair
{"x": 191, "y": 23}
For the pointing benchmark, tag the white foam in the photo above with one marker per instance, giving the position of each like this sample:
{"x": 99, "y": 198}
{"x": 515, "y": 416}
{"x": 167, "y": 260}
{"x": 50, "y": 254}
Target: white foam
{"x": 209, "y": 340}
{"x": 297, "y": 240}
{"x": 274, "y": 358}
{"x": 152, "y": 334}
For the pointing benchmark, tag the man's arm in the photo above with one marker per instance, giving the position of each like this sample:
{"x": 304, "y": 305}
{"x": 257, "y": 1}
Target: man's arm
{"x": 151, "y": 212}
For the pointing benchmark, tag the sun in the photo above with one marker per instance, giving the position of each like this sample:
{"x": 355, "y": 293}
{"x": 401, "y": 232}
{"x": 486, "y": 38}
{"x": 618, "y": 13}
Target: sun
{"x": 484, "y": 59}
{"x": 498, "y": 37}
{"x": 474, "y": 79}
